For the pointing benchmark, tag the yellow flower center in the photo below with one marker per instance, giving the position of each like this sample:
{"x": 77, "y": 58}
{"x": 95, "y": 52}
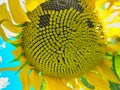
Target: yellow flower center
{"x": 64, "y": 38}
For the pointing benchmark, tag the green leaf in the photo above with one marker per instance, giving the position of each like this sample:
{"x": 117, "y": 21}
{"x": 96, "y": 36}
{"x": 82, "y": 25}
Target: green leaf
{"x": 117, "y": 65}
{"x": 109, "y": 55}
{"x": 43, "y": 86}
{"x": 26, "y": 63}
{"x": 16, "y": 59}
{"x": 85, "y": 82}
{"x": 114, "y": 86}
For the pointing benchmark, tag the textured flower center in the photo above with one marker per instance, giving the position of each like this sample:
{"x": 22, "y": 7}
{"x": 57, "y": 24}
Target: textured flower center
{"x": 64, "y": 38}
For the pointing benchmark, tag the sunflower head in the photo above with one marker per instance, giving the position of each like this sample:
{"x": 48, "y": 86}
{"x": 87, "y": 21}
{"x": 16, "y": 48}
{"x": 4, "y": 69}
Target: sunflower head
{"x": 64, "y": 38}
{"x": 66, "y": 41}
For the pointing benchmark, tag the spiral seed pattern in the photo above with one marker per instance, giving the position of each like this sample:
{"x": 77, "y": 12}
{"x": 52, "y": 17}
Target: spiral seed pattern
{"x": 64, "y": 38}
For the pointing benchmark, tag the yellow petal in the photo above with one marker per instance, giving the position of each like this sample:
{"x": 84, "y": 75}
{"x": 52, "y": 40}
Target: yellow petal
{"x": 24, "y": 78}
{"x": 112, "y": 17}
{"x": 32, "y": 4}
{"x": 74, "y": 84}
{"x": 35, "y": 80}
{"x": 113, "y": 48}
{"x": 18, "y": 14}
{"x": 11, "y": 27}
{"x": 2, "y": 34}
{"x": 11, "y": 69}
{"x": 4, "y": 13}
{"x": 15, "y": 42}
{"x": 55, "y": 84}
{"x": 78, "y": 84}
{"x": 82, "y": 85}
{"x": 101, "y": 2}
{"x": 112, "y": 31}
{"x": 107, "y": 72}
{"x": 23, "y": 60}
{"x": 24, "y": 74}
{"x": 94, "y": 79}
{"x": 5, "y": 20}
{"x": 117, "y": 3}
{"x": 17, "y": 52}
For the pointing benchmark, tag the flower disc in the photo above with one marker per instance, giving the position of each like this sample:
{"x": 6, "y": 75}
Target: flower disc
{"x": 64, "y": 38}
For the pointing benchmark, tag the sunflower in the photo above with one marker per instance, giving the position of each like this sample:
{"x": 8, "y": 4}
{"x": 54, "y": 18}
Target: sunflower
{"x": 64, "y": 44}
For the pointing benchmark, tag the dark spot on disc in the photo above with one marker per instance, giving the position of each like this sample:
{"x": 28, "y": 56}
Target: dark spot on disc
{"x": 58, "y": 5}
{"x": 44, "y": 20}
{"x": 89, "y": 23}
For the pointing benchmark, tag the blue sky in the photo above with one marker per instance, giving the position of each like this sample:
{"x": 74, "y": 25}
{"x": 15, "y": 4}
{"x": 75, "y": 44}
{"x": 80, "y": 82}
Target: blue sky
{"x": 6, "y": 56}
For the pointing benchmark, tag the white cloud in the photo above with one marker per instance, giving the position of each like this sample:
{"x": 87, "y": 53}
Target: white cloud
{"x": 3, "y": 45}
{"x": 0, "y": 59}
{"x": 3, "y": 82}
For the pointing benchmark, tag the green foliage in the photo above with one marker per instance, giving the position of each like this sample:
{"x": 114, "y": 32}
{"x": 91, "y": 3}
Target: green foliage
{"x": 116, "y": 64}
{"x": 114, "y": 86}
{"x": 16, "y": 59}
{"x": 43, "y": 86}
{"x": 85, "y": 82}
{"x": 109, "y": 55}
{"x": 116, "y": 69}
{"x": 26, "y": 63}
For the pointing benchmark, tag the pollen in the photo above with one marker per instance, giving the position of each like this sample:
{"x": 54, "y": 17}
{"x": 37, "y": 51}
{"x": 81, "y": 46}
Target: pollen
{"x": 64, "y": 38}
